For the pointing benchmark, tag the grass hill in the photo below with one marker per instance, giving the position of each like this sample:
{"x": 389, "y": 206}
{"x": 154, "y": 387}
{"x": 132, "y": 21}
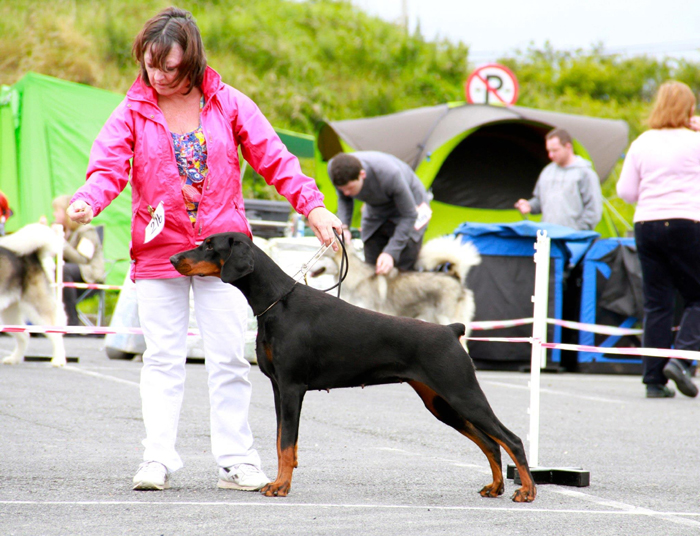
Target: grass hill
{"x": 300, "y": 61}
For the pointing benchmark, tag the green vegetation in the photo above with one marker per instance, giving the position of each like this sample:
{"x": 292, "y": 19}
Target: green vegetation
{"x": 303, "y": 61}
{"x": 300, "y": 61}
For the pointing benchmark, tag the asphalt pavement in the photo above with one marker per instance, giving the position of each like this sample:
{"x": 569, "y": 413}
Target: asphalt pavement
{"x": 372, "y": 461}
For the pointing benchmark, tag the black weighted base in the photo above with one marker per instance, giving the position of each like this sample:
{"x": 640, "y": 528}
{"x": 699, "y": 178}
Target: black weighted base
{"x": 47, "y": 358}
{"x": 562, "y": 476}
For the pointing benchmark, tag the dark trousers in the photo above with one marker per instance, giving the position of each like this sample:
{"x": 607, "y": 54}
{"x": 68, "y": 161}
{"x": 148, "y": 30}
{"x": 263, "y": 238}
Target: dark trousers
{"x": 376, "y": 243}
{"x": 71, "y": 274}
{"x": 669, "y": 252}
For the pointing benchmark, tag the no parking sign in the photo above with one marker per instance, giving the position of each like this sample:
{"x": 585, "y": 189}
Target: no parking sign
{"x": 492, "y": 84}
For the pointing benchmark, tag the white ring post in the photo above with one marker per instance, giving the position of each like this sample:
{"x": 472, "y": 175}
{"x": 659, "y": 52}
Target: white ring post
{"x": 539, "y": 335}
{"x": 58, "y": 229}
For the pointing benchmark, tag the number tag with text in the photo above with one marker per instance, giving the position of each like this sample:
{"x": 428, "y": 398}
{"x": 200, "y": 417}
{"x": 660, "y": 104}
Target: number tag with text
{"x": 155, "y": 226}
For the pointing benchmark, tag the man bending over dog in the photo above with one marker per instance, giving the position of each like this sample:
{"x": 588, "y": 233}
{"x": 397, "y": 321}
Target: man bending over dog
{"x": 396, "y": 211}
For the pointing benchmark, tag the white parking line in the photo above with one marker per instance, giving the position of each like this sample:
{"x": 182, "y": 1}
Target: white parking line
{"x": 673, "y": 517}
{"x": 516, "y": 509}
{"x": 567, "y": 394}
{"x": 620, "y": 507}
{"x": 101, "y": 376}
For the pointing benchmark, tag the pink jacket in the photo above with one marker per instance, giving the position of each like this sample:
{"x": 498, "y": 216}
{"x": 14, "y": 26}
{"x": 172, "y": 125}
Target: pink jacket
{"x": 137, "y": 130}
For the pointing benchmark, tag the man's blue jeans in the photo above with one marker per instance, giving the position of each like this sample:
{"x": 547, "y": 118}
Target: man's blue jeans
{"x": 669, "y": 252}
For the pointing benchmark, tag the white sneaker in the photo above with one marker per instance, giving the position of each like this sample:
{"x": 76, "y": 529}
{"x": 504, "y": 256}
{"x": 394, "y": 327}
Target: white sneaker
{"x": 243, "y": 476}
{"x": 152, "y": 476}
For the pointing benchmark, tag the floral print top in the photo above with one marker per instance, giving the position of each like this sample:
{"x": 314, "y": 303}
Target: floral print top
{"x": 191, "y": 156}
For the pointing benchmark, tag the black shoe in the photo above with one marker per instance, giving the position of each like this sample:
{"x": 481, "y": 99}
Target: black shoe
{"x": 656, "y": 390}
{"x": 678, "y": 373}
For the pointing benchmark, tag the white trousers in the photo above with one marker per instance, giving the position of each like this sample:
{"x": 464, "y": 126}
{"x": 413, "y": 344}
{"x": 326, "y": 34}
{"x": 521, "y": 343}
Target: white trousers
{"x": 221, "y": 313}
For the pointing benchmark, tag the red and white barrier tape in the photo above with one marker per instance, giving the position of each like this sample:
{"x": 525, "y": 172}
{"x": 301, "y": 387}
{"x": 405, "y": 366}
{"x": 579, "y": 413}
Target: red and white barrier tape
{"x": 652, "y": 352}
{"x": 498, "y": 324}
{"x": 595, "y": 328}
{"x": 94, "y": 286}
{"x": 592, "y": 328}
{"x": 81, "y": 330}
{"x": 501, "y": 339}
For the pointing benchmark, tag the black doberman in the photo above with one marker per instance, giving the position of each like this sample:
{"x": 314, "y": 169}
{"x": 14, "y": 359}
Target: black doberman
{"x": 310, "y": 340}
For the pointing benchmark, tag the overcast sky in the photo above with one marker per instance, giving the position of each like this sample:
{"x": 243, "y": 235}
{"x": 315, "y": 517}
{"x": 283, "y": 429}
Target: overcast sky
{"x": 494, "y": 28}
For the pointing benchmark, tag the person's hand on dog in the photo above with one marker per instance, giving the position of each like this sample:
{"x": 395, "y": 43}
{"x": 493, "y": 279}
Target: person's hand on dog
{"x": 385, "y": 263}
{"x": 80, "y": 211}
{"x": 322, "y": 223}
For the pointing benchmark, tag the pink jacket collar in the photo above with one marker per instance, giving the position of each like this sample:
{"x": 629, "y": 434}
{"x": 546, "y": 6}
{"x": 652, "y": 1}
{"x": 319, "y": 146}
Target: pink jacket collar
{"x": 140, "y": 92}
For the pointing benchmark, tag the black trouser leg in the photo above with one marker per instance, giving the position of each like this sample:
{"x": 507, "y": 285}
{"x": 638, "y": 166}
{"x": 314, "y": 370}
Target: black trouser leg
{"x": 669, "y": 253}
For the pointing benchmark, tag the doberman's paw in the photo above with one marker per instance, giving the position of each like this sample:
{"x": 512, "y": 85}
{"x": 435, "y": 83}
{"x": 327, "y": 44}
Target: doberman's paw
{"x": 492, "y": 490}
{"x": 524, "y": 495}
{"x": 276, "y": 489}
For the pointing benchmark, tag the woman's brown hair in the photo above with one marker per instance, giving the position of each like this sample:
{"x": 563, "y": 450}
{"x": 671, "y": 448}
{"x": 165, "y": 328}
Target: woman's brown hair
{"x": 674, "y": 105}
{"x": 169, "y": 27}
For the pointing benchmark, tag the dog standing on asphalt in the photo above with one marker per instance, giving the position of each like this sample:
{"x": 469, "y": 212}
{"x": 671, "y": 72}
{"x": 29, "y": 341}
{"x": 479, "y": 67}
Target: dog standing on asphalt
{"x": 310, "y": 340}
{"x": 27, "y": 272}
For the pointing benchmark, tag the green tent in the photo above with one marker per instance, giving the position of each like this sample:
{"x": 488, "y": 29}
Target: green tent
{"x": 478, "y": 160}
{"x": 47, "y": 127}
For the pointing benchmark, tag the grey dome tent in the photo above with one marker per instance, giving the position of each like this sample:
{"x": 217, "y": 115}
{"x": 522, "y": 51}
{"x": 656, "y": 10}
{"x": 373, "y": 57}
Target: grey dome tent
{"x": 477, "y": 159}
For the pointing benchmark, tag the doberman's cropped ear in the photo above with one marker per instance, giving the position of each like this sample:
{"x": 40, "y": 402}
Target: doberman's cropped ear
{"x": 238, "y": 263}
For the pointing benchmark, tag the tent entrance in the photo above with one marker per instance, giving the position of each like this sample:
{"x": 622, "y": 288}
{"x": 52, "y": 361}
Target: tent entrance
{"x": 493, "y": 167}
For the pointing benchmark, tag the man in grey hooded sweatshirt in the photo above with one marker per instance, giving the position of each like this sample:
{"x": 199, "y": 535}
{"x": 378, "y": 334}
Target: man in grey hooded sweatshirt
{"x": 568, "y": 190}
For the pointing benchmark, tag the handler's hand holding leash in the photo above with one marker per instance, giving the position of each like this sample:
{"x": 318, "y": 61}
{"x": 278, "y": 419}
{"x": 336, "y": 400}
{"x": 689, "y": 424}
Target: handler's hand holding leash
{"x": 324, "y": 224}
{"x": 342, "y": 270}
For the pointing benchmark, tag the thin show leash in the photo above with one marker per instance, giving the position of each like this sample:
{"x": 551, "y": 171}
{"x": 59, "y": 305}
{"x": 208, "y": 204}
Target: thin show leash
{"x": 304, "y": 270}
{"x": 343, "y": 269}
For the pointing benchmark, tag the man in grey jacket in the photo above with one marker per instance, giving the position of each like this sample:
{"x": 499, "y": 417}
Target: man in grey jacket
{"x": 568, "y": 190}
{"x": 396, "y": 210}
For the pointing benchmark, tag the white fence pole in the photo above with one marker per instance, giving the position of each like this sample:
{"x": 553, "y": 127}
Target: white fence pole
{"x": 539, "y": 335}
{"x": 58, "y": 229}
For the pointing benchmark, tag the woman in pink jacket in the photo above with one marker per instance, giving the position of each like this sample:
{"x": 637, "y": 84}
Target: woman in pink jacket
{"x": 177, "y": 134}
{"x": 661, "y": 174}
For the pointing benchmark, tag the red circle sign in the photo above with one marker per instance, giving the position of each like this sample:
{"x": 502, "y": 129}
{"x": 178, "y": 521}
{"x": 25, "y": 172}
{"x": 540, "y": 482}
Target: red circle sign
{"x": 492, "y": 84}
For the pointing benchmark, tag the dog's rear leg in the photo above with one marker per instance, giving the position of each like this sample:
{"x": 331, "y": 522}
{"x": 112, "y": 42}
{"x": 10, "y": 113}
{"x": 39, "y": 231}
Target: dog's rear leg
{"x": 445, "y": 413}
{"x": 477, "y": 410}
{"x": 288, "y": 406}
{"x": 12, "y": 317}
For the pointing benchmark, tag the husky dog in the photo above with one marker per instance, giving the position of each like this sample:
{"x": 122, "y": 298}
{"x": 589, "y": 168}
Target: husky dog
{"x": 27, "y": 271}
{"x": 437, "y": 294}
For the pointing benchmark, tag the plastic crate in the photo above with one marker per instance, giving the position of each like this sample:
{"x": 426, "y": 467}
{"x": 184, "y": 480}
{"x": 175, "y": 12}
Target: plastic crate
{"x": 267, "y": 210}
